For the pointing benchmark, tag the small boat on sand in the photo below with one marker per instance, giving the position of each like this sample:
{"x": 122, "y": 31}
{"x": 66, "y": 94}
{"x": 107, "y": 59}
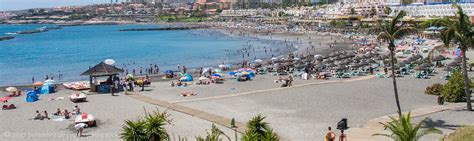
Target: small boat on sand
{"x": 78, "y": 97}
{"x": 86, "y": 118}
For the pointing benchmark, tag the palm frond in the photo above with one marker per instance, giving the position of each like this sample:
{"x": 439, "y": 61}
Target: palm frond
{"x": 402, "y": 130}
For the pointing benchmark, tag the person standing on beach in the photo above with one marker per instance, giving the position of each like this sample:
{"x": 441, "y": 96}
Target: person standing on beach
{"x": 184, "y": 69}
{"x": 200, "y": 72}
{"x": 151, "y": 69}
{"x": 330, "y": 135}
{"x": 46, "y": 78}
{"x": 342, "y": 137}
{"x": 179, "y": 67}
{"x": 33, "y": 79}
{"x": 133, "y": 72}
{"x": 141, "y": 70}
{"x": 60, "y": 75}
{"x": 290, "y": 81}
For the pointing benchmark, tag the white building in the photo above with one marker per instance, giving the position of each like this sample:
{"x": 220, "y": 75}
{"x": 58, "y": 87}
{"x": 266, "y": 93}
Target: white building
{"x": 433, "y": 10}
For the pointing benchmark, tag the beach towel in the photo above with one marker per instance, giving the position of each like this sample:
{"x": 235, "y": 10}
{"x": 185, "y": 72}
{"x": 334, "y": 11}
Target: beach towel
{"x": 84, "y": 116}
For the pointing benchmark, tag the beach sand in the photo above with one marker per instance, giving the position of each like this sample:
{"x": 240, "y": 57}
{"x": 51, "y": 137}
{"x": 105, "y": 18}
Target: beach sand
{"x": 298, "y": 113}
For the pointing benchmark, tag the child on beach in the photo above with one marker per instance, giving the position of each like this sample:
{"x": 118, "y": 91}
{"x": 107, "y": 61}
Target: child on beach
{"x": 76, "y": 110}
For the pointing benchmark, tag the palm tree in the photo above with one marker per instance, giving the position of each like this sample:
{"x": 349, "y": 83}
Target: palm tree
{"x": 258, "y": 130}
{"x": 402, "y": 129}
{"x": 458, "y": 30}
{"x": 133, "y": 131}
{"x": 389, "y": 31}
{"x": 154, "y": 126}
{"x": 151, "y": 128}
{"x": 214, "y": 135}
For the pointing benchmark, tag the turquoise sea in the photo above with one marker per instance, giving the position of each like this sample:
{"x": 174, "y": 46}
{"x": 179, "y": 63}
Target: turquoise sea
{"x": 71, "y": 50}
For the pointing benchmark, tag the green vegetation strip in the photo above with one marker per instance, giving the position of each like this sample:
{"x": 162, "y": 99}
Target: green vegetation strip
{"x": 462, "y": 134}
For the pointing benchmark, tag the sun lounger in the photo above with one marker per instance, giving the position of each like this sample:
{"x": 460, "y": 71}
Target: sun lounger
{"x": 78, "y": 97}
{"x": 379, "y": 75}
{"x": 85, "y": 118}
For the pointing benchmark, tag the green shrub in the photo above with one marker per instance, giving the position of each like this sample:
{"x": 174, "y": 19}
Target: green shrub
{"x": 434, "y": 89}
{"x": 453, "y": 91}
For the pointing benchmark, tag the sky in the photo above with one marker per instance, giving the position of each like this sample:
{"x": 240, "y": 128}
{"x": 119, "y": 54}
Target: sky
{"x": 7, "y": 5}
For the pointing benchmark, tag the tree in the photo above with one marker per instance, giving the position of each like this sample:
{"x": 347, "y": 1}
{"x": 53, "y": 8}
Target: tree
{"x": 151, "y": 128}
{"x": 214, "y": 135}
{"x": 458, "y": 30}
{"x": 373, "y": 12}
{"x": 389, "y": 31}
{"x": 352, "y": 11}
{"x": 402, "y": 130}
{"x": 133, "y": 131}
{"x": 387, "y": 10}
{"x": 258, "y": 130}
{"x": 154, "y": 126}
{"x": 453, "y": 90}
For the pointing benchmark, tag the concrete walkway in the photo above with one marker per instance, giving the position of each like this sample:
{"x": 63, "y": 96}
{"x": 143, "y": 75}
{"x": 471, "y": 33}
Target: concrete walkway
{"x": 276, "y": 89}
{"x": 241, "y": 127}
{"x": 373, "y": 126}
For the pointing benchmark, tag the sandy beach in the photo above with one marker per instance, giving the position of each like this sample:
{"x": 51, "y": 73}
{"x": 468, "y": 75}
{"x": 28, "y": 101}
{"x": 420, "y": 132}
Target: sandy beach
{"x": 300, "y": 113}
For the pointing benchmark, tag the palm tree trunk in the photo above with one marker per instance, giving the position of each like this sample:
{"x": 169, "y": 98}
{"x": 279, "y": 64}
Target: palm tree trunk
{"x": 394, "y": 80}
{"x": 467, "y": 90}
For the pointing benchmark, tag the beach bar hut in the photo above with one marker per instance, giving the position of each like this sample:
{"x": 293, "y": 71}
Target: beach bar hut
{"x": 100, "y": 70}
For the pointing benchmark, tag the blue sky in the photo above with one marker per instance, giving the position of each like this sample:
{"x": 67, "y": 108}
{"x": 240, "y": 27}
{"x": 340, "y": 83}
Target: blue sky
{"x": 26, "y": 4}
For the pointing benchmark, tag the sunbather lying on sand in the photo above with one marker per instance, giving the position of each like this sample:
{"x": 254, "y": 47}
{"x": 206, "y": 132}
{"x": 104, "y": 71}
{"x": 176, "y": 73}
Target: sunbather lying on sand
{"x": 8, "y": 107}
{"x": 185, "y": 94}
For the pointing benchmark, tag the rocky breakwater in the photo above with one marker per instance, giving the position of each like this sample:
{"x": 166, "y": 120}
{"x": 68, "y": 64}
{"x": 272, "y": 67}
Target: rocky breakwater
{"x": 3, "y": 38}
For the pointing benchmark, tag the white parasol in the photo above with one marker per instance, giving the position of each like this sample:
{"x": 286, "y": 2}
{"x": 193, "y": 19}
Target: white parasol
{"x": 11, "y": 89}
{"x": 109, "y": 61}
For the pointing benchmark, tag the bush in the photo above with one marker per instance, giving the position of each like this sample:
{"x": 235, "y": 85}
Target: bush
{"x": 434, "y": 89}
{"x": 453, "y": 91}
{"x": 461, "y": 134}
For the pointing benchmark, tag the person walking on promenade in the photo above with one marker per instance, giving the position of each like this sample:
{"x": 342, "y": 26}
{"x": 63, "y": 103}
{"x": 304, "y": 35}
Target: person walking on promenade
{"x": 342, "y": 137}
{"x": 330, "y": 135}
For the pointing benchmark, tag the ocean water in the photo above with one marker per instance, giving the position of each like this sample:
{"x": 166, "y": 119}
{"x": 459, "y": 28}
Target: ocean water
{"x": 71, "y": 50}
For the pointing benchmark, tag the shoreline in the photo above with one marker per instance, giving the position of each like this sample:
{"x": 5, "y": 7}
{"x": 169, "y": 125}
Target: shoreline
{"x": 297, "y": 48}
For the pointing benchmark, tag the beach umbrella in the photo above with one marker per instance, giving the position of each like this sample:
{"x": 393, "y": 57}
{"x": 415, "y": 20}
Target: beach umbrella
{"x": 38, "y": 83}
{"x": 420, "y": 67}
{"x": 11, "y": 89}
{"x": 205, "y": 70}
{"x": 258, "y": 61}
{"x": 454, "y": 63}
{"x": 3, "y": 99}
{"x": 202, "y": 78}
{"x": 318, "y": 57}
{"x": 372, "y": 61}
{"x": 447, "y": 68}
{"x": 217, "y": 70}
{"x": 438, "y": 58}
{"x": 50, "y": 81}
{"x": 109, "y": 61}
{"x": 167, "y": 72}
{"x": 231, "y": 73}
{"x": 222, "y": 66}
{"x": 216, "y": 75}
